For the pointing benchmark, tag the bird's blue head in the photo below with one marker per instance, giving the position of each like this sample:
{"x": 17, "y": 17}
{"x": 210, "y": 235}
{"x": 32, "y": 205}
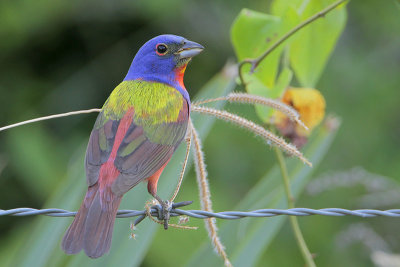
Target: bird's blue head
{"x": 163, "y": 59}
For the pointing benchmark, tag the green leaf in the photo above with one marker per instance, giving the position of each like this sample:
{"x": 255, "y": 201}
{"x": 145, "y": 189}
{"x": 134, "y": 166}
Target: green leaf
{"x": 289, "y": 12}
{"x": 255, "y": 87}
{"x": 41, "y": 246}
{"x": 280, "y": 8}
{"x": 312, "y": 45}
{"x": 246, "y": 239}
{"x": 252, "y": 33}
{"x": 284, "y": 79}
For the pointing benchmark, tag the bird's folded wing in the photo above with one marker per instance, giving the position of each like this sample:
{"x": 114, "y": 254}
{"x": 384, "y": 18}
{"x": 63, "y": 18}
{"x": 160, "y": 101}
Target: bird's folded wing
{"x": 141, "y": 153}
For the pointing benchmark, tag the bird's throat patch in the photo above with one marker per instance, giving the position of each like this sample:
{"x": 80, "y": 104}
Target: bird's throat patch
{"x": 179, "y": 73}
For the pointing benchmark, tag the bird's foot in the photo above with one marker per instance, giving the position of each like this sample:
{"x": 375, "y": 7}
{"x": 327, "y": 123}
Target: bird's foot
{"x": 161, "y": 210}
{"x": 164, "y": 213}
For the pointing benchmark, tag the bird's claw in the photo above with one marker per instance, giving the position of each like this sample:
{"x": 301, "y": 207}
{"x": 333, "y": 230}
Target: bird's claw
{"x": 160, "y": 209}
{"x": 166, "y": 207}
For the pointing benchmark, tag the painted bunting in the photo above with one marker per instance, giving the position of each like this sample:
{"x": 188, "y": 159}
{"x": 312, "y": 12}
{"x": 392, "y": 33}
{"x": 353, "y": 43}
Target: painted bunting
{"x": 140, "y": 126}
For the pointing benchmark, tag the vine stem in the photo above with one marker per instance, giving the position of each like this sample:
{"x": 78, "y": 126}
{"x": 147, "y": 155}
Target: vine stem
{"x": 256, "y": 61}
{"x": 308, "y": 258}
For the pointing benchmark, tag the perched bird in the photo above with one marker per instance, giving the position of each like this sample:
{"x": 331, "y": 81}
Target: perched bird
{"x": 139, "y": 128}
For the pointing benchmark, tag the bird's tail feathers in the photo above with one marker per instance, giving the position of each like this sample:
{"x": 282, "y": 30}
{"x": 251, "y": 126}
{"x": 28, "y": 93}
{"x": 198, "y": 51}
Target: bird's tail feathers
{"x": 93, "y": 225}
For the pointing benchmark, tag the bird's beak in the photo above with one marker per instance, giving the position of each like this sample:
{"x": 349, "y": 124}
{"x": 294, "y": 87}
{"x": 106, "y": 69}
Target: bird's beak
{"x": 189, "y": 50}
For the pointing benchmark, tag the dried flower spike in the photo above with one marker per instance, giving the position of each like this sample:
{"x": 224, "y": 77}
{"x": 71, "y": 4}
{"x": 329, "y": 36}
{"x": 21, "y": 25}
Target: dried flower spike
{"x": 269, "y": 137}
{"x": 290, "y": 112}
{"x": 205, "y": 196}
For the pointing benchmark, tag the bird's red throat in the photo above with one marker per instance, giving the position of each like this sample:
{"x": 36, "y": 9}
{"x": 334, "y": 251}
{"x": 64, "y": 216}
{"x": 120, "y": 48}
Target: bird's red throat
{"x": 179, "y": 73}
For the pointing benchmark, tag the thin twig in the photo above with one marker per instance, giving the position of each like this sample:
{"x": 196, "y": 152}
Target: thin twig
{"x": 291, "y": 204}
{"x": 50, "y": 117}
{"x": 255, "y": 62}
{"x": 240, "y": 69}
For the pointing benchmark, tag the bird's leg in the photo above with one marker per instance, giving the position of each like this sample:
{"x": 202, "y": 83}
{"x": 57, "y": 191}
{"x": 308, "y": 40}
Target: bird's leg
{"x": 152, "y": 188}
{"x": 166, "y": 205}
{"x": 166, "y": 208}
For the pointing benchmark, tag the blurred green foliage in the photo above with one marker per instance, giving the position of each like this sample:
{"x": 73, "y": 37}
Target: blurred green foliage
{"x": 63, "y": 56}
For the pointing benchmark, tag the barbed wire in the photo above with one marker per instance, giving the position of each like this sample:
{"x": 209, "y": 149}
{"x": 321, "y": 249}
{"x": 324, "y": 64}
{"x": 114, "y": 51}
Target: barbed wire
{"x": 156, "y": 211}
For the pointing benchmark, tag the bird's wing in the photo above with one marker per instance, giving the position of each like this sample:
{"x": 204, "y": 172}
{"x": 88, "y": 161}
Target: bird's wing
{"x": 142, "y": 153}
{"x": 158, "y": 126}
{"x": 100, "y": 145}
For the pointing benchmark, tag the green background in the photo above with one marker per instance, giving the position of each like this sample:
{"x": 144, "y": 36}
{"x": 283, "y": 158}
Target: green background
{"x": 58, "y": 56}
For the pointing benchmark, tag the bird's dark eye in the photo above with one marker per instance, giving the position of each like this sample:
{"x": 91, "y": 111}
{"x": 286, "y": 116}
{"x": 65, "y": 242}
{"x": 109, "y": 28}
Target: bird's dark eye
{"x": 161, "y": 49}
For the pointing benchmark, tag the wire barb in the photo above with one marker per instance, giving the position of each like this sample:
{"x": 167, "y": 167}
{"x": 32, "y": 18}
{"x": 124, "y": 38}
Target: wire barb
{"x": 154, "y": 210}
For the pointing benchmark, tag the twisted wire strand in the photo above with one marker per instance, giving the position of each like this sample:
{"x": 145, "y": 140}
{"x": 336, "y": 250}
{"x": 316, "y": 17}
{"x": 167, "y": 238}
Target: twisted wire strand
{"x": 200, "y": 214}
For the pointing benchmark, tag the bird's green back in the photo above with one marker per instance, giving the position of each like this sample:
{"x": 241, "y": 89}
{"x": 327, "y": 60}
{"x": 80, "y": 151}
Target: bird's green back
{"x": 153, "y": 102}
